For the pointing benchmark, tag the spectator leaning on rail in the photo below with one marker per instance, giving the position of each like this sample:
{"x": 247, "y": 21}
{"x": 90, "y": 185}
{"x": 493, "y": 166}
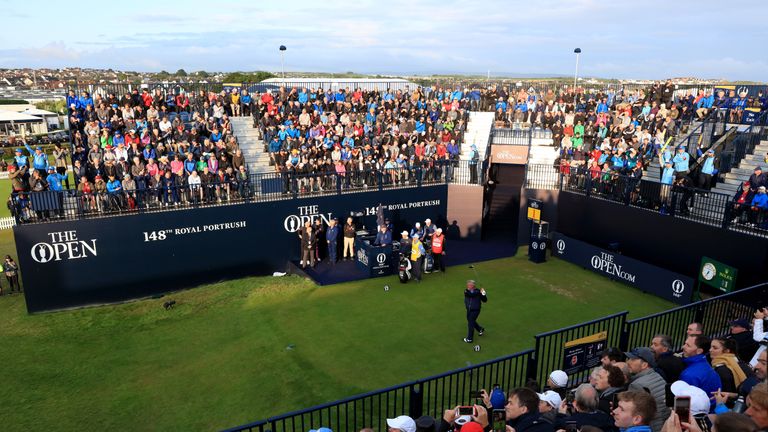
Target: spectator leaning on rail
{"x": 641, "y": 363}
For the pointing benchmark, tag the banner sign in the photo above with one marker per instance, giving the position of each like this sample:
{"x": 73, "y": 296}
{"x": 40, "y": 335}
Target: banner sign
{"x": 717, "y": 275}
{"x": 93, "y": 261}
{"x": 583, "y": 353}
{"x": 509, "y": 154}
{"x": 655, "y": 280}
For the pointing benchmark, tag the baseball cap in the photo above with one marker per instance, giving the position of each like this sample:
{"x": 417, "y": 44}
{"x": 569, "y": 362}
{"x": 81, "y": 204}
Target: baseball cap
{"x": 405, "y": 233}
{"x": 741, "y": 322}
{"x": 404, "y": 423}
{"x": 18, "y": 150}
{"x": 699, "y": 398}
{"x": 643, "y": 353}
{"x": 559, "y": 378}
{"x": 426, "y": 423}
{"x": 472, "y": 427}
{"x": 758, "y": 168}
{"x": 322, "y": 429}
{"x": 552, "y": 398}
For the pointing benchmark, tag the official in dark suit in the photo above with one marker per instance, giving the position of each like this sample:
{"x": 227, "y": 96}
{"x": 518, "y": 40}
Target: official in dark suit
{"x": 473, "y": 300}
{"x": 331, "y": 236}
{"x": 383, "y": 237}
{"x": 308, "y": 242}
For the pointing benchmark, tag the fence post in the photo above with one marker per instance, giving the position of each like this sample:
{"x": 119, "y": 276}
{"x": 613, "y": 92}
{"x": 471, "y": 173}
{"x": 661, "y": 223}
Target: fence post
{"x": 416, "y": 401}
{"x": 531, "y": 369}
{"x": 624, "y": 338}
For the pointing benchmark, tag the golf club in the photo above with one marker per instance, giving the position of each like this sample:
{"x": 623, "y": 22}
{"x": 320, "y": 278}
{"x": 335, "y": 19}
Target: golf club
{"x": 477, "y": 278}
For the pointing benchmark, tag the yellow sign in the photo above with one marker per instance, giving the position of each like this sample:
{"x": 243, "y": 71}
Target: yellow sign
{"x": 597, "y": 337}
{"x": 534, "y": 214}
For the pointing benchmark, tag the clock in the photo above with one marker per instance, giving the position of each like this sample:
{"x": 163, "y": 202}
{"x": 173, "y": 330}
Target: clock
{"x": 708, "y": 271}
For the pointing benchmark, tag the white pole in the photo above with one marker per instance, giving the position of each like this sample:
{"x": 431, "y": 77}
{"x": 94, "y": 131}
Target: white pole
{"x": 282, "y": 65}
{"x": 576, "y": 75}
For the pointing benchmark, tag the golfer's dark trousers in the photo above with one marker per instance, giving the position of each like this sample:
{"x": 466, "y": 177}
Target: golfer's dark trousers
{"x": 472, "y": 324}
{"x": 416, "y": 267}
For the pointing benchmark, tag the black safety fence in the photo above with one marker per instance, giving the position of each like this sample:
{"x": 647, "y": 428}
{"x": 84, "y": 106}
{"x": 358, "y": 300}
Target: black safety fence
{"x": 169, "y": 193}
{"x": 428, "y": 396}
{"x": 549, "y": 350}
{"x": 674, "y": 200}
{"x": 433, "y": 395}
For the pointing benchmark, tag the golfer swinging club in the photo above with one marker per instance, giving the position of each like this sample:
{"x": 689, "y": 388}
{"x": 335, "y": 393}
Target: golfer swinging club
{"x": 473, "y": 299}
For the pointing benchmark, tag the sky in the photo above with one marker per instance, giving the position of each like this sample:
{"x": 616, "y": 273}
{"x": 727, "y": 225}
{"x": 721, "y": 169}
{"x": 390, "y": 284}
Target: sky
{"x": 649, "y": 39}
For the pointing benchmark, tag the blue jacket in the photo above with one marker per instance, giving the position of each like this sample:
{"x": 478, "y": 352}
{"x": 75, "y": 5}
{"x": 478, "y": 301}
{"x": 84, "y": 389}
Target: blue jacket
{"x": 668, "y": 175}
{"x": 245, "y": 99}
{"x": 21, "y": 161}
{"x": 760, "y": 200}
{"x": 709, "y": 166}
{"x": 332, "y": 234}
{"x": 39, "y": 161}
{"x": 54, "y": 181}
{"x": 641, "y": 428}
{"x": 681, "y": 161}
{"x": 383, "y": 238}
{"x": 114, "y": 186}
{"x": 73, "y": 100}
{"x": 699, "y": 373}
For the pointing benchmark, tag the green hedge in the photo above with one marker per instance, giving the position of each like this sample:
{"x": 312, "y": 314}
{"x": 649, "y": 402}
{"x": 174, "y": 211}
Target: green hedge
{"x": 13, "y": 102}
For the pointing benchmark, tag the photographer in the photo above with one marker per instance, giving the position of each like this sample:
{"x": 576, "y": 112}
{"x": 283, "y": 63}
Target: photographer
{"x": 583, "y": 412}
{"x": 476, "y": 422}
{"x": 759, "y": 336}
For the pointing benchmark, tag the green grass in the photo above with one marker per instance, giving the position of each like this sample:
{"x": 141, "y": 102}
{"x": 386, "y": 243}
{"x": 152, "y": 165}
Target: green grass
{"x": 219, "y": 358}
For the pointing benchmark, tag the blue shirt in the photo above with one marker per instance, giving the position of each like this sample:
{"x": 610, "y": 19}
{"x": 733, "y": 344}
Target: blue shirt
{"x": 54, "y": 181}
{"x": 668, "y": 175}
{"x": 709, "y": 166}
{"x": 681, "y": 162}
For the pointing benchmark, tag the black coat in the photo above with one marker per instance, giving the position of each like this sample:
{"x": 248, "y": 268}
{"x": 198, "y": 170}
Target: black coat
{"x": 473, "y": 300}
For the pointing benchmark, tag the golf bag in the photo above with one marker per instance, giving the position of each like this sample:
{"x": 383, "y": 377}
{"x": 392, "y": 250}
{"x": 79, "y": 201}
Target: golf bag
{"x": 404, "y": 269}
{"x": 429, "y": 263}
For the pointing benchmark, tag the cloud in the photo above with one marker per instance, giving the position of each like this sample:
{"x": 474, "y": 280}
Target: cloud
{"x": 403, "y": 36}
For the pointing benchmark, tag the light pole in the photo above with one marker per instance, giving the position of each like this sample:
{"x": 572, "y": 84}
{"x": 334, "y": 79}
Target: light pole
{"x": 282, "y": 60}
{"x": 576, "y": 75}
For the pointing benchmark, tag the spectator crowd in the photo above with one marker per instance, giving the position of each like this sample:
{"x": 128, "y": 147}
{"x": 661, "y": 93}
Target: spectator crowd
{"x": 710, "y": 384}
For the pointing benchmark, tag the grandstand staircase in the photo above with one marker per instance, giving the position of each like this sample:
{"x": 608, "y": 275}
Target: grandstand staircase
{"x": 744, "y": 169}
{"x": 542, "y": 154}
{"x": 256, "y": 159}
{"x": 478, "y": 132}
{"x": 695, "y": 132}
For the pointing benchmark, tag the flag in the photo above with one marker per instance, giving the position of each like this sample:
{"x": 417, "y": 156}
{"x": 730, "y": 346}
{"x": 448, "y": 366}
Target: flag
{"x": 380, "y": 215}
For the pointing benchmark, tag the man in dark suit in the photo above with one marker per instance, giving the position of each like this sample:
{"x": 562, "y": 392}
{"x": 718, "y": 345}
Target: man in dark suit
{"x": 308, "y": 242}
{"x": 473, "y": 300}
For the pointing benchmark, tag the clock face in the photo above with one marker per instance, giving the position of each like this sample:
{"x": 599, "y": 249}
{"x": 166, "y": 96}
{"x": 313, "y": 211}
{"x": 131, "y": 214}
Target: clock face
{"x": 708, "y": 271}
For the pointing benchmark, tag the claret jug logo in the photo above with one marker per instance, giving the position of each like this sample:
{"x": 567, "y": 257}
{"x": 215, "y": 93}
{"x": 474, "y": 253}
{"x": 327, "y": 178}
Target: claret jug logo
{"x": 63, "y": 245}
{"x": 309, "y": 213}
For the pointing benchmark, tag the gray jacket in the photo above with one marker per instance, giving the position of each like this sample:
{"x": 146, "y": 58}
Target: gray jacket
{"x": 650, "y": 379}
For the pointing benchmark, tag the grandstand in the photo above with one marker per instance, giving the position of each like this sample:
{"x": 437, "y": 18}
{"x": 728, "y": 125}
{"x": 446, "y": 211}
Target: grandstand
{"x": 249, "y": 164}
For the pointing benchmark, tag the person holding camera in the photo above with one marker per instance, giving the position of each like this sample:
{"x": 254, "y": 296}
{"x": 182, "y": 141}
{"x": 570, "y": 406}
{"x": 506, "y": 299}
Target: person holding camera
{"x": 473, "y": 300}
{"x": 758, "y": 335}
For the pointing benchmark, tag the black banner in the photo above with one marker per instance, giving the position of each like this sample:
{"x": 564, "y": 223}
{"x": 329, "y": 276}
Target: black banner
{"x": 75, "y": 263}
{"x": 660, "y": 282}
{"x": 583, "y": 353}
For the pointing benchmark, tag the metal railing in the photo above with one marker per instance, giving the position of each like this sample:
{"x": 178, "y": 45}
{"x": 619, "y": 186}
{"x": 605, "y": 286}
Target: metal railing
{"x": 430, "y": 396}
{"x": 549, "y": 345}
{"x": 176, "y": 193}
{"x": 698, "y": 205}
